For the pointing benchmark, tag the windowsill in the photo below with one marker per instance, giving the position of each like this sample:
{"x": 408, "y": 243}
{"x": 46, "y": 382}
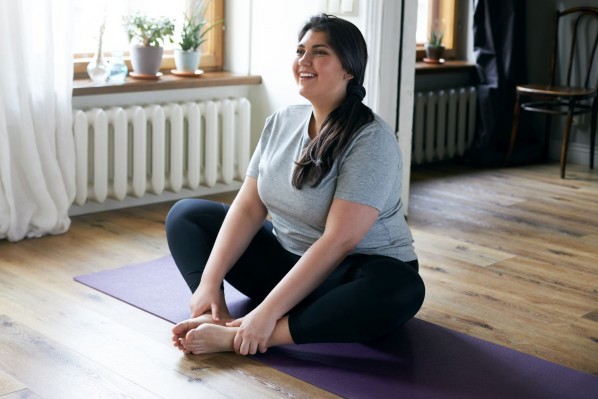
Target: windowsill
{"x": 448, "y": 66}
{"x": 84, "y": 87}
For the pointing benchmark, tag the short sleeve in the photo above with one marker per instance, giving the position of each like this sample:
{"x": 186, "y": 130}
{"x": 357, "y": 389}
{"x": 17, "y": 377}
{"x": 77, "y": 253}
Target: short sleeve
{"x": 371, "y": 170}
{"x": 254, "y": 163}
{"x": 253, "y": 169}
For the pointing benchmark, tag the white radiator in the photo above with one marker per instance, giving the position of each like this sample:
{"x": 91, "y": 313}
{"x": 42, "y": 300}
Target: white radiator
{"x": 443, "y": 124}
{"x": 134, "y": 151}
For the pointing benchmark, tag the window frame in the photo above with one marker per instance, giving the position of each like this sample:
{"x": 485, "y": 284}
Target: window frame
{"x": 452, "y": 38}
{"x": 212, "y": 50}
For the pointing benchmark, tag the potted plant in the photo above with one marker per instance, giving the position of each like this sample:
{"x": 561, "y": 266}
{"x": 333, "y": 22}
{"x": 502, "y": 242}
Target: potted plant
{"x": 193, "y": 34}
{"x": 147, "y": 35}
{"x": 434, "y": 47}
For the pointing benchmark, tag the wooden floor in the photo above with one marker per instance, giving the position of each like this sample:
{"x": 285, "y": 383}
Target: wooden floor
{"x": 508, "y": 255}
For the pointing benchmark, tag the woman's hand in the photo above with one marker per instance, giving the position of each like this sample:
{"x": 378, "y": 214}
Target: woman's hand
{"x": 208, "y": 298}
{"x": 254, "y": 332}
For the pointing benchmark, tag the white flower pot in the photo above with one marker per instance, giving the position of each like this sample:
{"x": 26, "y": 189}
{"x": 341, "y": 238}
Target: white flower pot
{"x": 186, "y": 61}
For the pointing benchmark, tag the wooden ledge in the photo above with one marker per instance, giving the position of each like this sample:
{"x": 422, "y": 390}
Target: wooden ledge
{"x": 422, "y": 68}
{"x": 85, "y": 87}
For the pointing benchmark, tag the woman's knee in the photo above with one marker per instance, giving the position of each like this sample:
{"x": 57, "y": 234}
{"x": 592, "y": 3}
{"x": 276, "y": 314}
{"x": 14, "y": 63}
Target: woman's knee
{"x": 194, "y": 210}
{"x": 177, "y": 213}
{"x": 408, "y": 297}
{"x": 400, "y": 286}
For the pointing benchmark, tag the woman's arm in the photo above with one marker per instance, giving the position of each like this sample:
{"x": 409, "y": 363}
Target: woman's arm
{"x": 347, "y": 223}
{"x": 244, "y": 218}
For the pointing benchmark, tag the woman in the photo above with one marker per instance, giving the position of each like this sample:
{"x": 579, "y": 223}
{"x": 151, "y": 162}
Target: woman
{"x": 336, "y": 262}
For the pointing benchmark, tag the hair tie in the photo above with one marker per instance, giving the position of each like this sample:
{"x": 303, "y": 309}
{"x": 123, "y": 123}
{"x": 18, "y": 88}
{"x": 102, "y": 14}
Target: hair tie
{"x": 356, "y": 90}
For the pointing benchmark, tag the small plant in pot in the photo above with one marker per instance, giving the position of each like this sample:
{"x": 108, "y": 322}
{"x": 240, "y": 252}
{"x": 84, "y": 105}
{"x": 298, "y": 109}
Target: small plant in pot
{"x": 434, "y": 47}
{"x": 147, "y": 36}
{"x": 193, "y": 34}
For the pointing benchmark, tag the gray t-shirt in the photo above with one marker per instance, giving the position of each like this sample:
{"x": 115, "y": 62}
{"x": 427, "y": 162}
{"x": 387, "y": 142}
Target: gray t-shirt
{"x": 368, "y": 172}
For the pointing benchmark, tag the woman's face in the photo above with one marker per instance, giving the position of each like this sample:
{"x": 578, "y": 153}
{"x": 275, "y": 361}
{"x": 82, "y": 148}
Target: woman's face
{"x": 318, "y": 72}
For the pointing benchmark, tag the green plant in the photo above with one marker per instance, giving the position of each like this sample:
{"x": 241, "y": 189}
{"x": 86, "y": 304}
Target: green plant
{"x": 436, "y": 35}
{"x": 148, "y": 31}
{"x": 195, "y": 27}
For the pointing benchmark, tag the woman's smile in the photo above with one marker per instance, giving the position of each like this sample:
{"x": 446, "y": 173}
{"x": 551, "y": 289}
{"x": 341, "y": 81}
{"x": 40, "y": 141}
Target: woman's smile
{"x": 316, "y": 62}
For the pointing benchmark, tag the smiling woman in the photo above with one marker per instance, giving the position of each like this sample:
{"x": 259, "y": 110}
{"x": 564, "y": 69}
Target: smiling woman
{"x": 334, "y": 262}
{"x": 89, "y": 16}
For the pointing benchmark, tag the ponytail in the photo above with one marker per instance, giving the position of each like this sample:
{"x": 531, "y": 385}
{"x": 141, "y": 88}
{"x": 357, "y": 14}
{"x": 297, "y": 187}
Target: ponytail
{"x": 338, "y": 130}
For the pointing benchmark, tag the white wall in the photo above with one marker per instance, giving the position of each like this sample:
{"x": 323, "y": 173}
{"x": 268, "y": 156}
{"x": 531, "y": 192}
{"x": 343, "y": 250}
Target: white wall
{"x": 275, "y": 25}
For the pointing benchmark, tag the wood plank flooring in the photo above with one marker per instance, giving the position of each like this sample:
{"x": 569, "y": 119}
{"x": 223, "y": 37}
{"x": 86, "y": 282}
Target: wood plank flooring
{"x": 508, "y": 255}
{"x": 511, "y": 256}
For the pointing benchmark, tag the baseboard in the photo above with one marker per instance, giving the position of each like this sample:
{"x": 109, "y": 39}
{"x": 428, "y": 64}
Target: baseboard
{"x": 127, "y": 202}
{"x": 577, "y": 153}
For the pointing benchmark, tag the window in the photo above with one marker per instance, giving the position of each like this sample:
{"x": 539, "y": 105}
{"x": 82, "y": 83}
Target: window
{"x": 439, "y": 14}
{"x": 88, "y": 18}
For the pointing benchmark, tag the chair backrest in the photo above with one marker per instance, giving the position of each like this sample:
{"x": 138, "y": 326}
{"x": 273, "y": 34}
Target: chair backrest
{"x": 580, "y": 24}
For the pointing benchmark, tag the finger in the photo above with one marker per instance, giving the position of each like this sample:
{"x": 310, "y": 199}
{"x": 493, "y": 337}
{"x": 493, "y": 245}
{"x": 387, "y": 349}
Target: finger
{"x": 253, "y": 348}
{"x": 262, "y": 347}
{"x": 237, "y": 341}
{"x": 198, "y": 311}
{"x": 215, "y": 312}
{"x": 235, "y": 323}
{"x": 244, "y": 348}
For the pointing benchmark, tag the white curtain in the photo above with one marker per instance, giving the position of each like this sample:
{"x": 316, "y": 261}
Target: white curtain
{"x": 37, "y": 172}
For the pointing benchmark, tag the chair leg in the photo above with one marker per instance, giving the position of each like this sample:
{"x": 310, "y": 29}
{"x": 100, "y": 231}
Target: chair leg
{"x": 566, "y": 138}
{"x": 516, "y": 112}
{"x": 547, "y": 124}
{"x": 593, "y": 131}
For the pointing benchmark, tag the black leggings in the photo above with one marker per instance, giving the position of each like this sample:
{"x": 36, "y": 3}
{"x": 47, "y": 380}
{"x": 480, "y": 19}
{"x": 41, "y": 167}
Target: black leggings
{"x": 364, "y": 298}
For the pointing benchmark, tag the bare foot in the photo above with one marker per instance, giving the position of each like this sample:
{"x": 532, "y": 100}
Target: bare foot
{"x": 180, "y": 330}
{"x": 209, "y": 338}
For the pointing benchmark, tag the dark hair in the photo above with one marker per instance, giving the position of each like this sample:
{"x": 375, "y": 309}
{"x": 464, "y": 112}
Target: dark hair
{"x": 343, "y": 123}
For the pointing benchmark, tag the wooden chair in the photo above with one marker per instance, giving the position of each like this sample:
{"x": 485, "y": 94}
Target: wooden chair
{"x": 562, "y": 96}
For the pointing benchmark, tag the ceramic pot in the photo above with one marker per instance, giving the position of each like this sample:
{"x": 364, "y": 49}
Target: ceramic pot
{"x": 434, "y": 52}
{"x": 146, "y": 60}
{"x": 186, "y": 61}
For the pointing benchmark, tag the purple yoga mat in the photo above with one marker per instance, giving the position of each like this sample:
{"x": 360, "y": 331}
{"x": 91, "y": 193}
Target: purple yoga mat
{"x": 420, "y": 361}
